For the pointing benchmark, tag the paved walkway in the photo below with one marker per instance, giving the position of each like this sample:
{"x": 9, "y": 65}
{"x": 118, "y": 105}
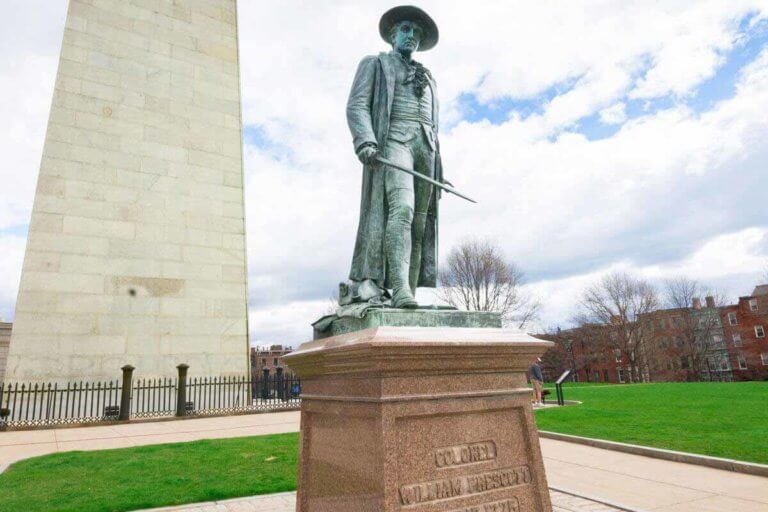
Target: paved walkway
{"x": 286, "y": 502}
{"x": 17, "y": 445}
{"x": 633, "y": 481}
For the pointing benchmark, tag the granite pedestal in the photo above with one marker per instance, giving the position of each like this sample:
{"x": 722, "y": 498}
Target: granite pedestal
{"x": 422, "y": 419}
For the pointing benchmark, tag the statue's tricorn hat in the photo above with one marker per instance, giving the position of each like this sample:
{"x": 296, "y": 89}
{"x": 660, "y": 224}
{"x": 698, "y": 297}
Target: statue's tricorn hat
{"x": 410, "y": 13}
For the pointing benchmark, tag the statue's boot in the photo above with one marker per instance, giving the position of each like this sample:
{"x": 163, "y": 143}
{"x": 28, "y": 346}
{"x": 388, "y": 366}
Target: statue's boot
{"x": 402, "y": 297}
{"x": 417, "y": 230}
{"x": 398, "y": 249}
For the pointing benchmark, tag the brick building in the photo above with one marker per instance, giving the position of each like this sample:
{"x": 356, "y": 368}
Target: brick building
{"x": 701, "y": 342}
{"x": 586, "y": 351}
{"x": 686, "y": 344}
{"x": 270, "y": 358}
{"x": 5, "y": 340}
{"x": 745, "y": 328}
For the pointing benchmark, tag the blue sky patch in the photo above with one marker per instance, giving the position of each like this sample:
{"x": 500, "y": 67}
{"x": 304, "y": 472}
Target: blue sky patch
{"x": 723, "y": 84}
{"x": 19, "y": 230}
{"x": 256, "y": 135}
{"x": 499, "y": 110}
{"x": 717, "y": 88}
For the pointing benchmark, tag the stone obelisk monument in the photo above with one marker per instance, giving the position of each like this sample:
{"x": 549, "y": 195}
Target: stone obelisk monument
{"x": 406, "y": 408}
{"x": 136, "y": 249}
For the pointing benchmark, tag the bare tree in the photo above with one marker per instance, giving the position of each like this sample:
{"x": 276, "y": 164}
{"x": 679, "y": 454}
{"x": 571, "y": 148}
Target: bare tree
{"x": 697, "y": 329}
{"x": 616, "y": 302}
{"x": 476, "y": 277}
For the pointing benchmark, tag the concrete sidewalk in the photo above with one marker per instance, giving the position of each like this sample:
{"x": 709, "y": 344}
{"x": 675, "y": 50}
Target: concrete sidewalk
{"x": 17, "y": 445}
{"x": 633, "y": 481}
{"x": 286, "y": 502}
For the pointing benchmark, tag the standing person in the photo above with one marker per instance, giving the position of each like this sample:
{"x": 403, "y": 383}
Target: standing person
{"x": 537, "y": 379}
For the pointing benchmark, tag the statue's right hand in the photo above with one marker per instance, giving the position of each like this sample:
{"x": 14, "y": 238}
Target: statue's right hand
{"x": 367, "y": 154}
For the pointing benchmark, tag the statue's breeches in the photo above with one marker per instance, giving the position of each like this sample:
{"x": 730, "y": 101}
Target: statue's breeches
{"x": 408, "y": 198}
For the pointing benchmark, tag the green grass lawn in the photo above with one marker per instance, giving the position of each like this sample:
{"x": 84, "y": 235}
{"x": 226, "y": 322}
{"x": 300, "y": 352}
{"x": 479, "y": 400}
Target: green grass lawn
{"x": 723, "y": 420}
{"x": 151, "y": 476}
{"x": 719, "y": 419}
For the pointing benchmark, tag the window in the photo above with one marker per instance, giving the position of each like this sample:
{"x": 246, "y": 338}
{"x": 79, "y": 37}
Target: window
{"x": 263, "y": 361}
{"x": 679, "y": 341}
{"x": 753, "y": 305}
{"x": 649, "y": 325}
{"x": 620, "y": 371}
{"x": 764, "y": 357}
{"x": 605, "y": 375}
{"x": 661, "y": 324}
{"x": 684, "y": 362}
{"x": 725, "y": 365}
{"x": 737, "y": 340}
{"x": 275, "y": 361}
{"x": 742, "y": 361}
{"x": 597, "y": 376}
{"x": 732, "y": 319}
{"x": 759, "y": 331}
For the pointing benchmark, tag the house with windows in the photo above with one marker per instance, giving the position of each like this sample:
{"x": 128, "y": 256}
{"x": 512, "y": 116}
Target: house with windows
{"x": 589, "y": 352}
{"x": 744, "y": 330}
{"x": 702, "y": 342}
{"x": 268, "y": 358}
{"x": 686, "y": 344}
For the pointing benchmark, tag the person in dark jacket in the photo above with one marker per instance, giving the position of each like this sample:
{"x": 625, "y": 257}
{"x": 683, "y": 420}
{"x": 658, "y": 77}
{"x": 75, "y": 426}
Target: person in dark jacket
{"x": 537, "y": 379}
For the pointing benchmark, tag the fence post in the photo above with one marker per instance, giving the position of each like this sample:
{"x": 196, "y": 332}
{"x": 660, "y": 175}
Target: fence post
{"x": 125, "y": 395}
{"x": 279, "y": 383}
{"x": 265, "y": 384}
{"x": 181, "y": 399}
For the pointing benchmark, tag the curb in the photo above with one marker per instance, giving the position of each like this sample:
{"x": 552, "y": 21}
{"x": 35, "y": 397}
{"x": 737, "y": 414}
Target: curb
{"x": 736, "y": 466}
{"x": 214, "y": 504}
{"x": 596, "y": 500}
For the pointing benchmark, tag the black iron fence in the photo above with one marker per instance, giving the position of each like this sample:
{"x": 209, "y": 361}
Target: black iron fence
{"x": 30, "y": 405}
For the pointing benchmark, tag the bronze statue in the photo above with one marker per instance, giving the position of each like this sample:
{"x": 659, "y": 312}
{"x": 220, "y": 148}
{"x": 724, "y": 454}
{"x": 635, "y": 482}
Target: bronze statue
{"x": 392, "y": 113}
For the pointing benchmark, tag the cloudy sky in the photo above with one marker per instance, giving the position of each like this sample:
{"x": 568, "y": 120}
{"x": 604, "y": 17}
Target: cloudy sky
{"x": 596, "y": 135}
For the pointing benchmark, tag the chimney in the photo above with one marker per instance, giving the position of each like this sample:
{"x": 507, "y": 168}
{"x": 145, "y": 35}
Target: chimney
{"x": 696, "y": 303}
{"x": 710, "y": 301}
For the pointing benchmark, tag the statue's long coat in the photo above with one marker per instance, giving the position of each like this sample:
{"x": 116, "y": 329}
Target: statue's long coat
{"x": 368, "y": 110}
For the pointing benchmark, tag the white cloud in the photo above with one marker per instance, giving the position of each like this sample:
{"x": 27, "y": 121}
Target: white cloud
{"x": 563, "y": 206}
{"x": 729, "y": 263}
{"x": 287, "y": 323}
{"x": 11, "y": 257}
{"x": 615, "y": 114}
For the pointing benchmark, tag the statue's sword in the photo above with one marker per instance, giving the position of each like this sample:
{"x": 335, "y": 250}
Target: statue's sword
{"x": 441, "y": 186}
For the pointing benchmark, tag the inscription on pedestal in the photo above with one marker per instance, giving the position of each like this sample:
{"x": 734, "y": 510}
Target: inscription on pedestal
{"x": 511, "y": 505}
{"x": 465, "y": 454}
{"x": 465, "y": 485}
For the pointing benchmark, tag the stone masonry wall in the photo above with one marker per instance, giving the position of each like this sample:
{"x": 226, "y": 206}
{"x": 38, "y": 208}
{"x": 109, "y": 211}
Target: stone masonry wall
{"x": 5, "y": 340}
{"x": 136, "y": 250}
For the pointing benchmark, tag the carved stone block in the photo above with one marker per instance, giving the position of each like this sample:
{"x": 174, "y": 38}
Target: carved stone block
{"x": 423, "y": 419}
